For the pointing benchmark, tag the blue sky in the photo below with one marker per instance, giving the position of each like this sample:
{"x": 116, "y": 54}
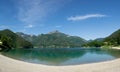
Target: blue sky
{"x": 89, "y": 19}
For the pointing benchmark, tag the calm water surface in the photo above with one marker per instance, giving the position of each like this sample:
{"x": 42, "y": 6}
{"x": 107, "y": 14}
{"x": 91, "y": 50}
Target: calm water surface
{"x": 63, "y": 56}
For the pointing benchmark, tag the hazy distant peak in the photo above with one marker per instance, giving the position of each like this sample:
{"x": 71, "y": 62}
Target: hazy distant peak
{"x": 21, "y": 33}
{"x": 55, "y": 31}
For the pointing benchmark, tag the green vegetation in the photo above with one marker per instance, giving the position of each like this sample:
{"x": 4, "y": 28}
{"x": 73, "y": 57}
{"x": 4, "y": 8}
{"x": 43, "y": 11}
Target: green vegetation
{"x": 113, "y": 39}
{"x": 54, "y": 39}
{"x": 94, "y": 43}
{"x": 110, "y": 41}
{"x": 11, "y": 40}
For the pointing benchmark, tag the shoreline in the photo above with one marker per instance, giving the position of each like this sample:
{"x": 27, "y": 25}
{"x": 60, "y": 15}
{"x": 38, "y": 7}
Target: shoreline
{"x": 116, "y": 48}
{"x": 10, "y": 65}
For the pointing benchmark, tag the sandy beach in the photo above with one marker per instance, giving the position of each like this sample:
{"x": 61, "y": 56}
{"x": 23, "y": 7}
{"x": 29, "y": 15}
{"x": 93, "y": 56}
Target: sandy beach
{"x": 11, "y": 65}
{"x": 116, "y": 48}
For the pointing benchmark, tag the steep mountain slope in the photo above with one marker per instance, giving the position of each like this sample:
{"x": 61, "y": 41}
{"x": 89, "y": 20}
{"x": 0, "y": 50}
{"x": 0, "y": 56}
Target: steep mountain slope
{"x": 54, "y": 39}
{"x": 11, "y": 40}
{"x": 113, "y": 39}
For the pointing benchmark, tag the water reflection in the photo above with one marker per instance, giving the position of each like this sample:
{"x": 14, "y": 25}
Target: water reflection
{"x": 63, "y": 56}
{"x": 113, "y": 52}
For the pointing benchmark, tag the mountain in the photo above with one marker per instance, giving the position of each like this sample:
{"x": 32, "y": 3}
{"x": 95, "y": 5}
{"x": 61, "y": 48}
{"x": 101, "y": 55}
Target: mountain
{"x": 54, "y": 39}
{"x": 113, "y": 39}
{"x": 27, "y": 37}
{"x": 10, "y": 39}
{"x": 100, "y": 39}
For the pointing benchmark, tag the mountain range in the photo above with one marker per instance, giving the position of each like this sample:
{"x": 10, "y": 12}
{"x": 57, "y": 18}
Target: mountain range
{"x": 109, "y": 41}
{"x": 54, "y": 39}
{"x": 113, "y": 39}
{"x": 11, "y": 40}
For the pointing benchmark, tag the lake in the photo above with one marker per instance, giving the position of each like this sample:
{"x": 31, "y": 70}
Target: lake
{"x": 63, "y": 56}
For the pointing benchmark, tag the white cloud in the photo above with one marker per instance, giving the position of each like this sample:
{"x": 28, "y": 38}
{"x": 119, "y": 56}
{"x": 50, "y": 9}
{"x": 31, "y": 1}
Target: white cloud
{"x": 34, "y": 11}
{"x": 58, "y": 26}
{"x": 30, "y": 11}
{"x": 29, "y": 26}
{"x": 77, "y": 18}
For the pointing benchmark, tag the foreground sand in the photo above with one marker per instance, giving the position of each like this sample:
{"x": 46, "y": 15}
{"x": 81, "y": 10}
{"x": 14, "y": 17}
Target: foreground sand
{"x": 11, "y": 65}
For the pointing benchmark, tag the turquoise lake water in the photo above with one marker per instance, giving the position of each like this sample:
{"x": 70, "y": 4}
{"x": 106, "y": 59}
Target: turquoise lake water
{"x": 63, "y": 56}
